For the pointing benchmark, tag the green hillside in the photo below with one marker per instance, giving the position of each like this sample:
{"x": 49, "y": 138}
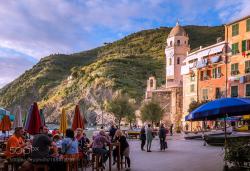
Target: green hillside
{"x": 124, "y": 64}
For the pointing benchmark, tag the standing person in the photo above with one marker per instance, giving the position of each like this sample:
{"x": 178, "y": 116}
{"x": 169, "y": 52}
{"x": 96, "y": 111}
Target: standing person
{"x": 162, "y": 136}
{"x": 112, "y": 131}
{"x": 171, "y": 129}
{"x": 149, "y": 137}
{"x": 99, "y": 144}
{"x": 143, "y": 137}
{"x": 83, "y": 141}
{"x": 124, "y": 147}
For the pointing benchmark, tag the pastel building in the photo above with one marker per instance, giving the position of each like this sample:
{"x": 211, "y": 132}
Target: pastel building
{"x": 237, "y": 35}
{"x": 204, "y": 75}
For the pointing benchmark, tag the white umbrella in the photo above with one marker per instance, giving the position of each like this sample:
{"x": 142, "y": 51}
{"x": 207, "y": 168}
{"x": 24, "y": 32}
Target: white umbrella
{"x": 18, "y": 118}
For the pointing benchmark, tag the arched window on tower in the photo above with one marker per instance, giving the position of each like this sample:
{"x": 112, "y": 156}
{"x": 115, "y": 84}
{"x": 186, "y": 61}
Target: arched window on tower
{"x": 178, "y": 60}
{"x": 185, "y": 42}
{"x": 151, "y": 83}
{"x": 178, "y": 42}
{"x": 170, "y": 43}
{"x": 170, "y": 61}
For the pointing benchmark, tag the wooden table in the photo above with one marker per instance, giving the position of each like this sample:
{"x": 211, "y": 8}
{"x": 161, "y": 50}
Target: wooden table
{"x": 118, "y": 156}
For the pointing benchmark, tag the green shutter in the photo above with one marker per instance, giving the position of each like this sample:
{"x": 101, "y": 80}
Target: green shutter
{"x": 244, "y": 45}
{"x": 248, "y": 90}
{"x": 235, "y": 29}
{"x": 248, "y": 25}
{"x": 219, "y": 71}
{"x": 232, "y": 67}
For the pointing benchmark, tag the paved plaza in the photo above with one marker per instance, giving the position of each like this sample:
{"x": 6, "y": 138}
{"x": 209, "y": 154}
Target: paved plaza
{"x": 182, "y": 155}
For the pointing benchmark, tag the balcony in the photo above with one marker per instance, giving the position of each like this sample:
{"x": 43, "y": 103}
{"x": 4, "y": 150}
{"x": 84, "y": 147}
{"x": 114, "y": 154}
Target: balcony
{"x": 216, "y": 59}
{"x": 201, "y": 64}
{"x": 247, "y": 70}
{"x": 235, "y": 72}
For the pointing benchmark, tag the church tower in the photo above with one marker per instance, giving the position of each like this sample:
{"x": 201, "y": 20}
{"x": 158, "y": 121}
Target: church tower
{"x": 175, "y": 51}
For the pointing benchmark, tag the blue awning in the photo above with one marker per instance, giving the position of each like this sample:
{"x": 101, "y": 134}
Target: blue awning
{"x": 220, "y": 108}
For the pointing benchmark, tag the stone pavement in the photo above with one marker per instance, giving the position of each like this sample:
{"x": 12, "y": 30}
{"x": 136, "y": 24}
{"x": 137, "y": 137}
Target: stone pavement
{"x": 181, "y": 155}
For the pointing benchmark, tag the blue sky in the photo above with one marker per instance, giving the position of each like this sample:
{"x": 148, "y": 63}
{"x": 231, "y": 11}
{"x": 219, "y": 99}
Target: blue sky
{"x": 31, "y": 29}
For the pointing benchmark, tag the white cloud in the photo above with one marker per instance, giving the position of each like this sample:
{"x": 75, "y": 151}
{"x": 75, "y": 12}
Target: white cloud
{"x": 230, "y": 10}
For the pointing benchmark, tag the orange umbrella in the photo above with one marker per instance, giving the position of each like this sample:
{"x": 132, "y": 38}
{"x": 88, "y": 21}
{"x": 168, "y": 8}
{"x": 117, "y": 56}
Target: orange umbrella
{"x": 77, "y": 120}
{"x": 5, "y": 124}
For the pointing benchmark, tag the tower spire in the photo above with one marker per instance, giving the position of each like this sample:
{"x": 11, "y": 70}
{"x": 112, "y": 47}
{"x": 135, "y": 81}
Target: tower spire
{"x": 177, "y": 22}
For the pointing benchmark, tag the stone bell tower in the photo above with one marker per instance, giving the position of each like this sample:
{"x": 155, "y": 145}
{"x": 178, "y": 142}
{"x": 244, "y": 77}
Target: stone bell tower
{"x": 175, "y": 51}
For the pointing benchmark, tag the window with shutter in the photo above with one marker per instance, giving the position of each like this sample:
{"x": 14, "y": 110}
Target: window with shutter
{"x": 235, "y": 29}
{"x": 218, "y": 72}
{"x": 234, "y": 91}
{"x": 248, "y": 25}
{"x": 247, "y": 66}
{"x": 248, "y": 44}
{"x": 244, "y": 43}
{"x": 248, "y": 90}
{"x": 235, "y": 48}
{"x": 214, "y": 73}
{"x": 234, "y": 69}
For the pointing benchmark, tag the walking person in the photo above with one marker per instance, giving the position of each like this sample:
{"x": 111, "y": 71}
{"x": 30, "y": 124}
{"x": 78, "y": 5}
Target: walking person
{"x": 162, "y": 136}
{"x": 143, "y": 137}
{"x": 171, "y": 129}
{"x": 149, "y": 137}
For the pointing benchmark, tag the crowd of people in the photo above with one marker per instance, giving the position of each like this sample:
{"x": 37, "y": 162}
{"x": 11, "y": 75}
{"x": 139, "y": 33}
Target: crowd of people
{"x": 46, "y": 147}
{"x": 147, "y": 135}
{"x": 76, "y": 145}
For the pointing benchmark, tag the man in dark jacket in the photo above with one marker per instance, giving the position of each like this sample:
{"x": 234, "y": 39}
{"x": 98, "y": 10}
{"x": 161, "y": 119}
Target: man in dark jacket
{"x": 162, "y": 136}
{"x": 143, "y": 137}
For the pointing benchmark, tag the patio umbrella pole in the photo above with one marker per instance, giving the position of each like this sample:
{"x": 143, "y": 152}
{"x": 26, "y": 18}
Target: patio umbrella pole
{"x": 203, "y": 133}
{"x": 225, "y": 143}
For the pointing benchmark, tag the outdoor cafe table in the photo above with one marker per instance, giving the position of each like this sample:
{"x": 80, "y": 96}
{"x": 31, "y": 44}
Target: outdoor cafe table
{"x": 117, "y": 144}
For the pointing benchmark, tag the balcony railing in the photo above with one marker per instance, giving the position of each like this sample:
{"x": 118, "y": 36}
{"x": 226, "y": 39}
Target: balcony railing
{"x": 247, "y": 70}
{"x": 235, "y": 72}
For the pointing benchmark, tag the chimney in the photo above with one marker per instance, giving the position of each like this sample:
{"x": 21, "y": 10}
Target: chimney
{"x": 200, "y": 47}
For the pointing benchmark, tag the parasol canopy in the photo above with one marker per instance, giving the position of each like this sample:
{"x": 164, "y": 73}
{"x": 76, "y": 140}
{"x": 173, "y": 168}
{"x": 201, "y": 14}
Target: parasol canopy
{"x": 5, "y": 124}
{"x": 63, "y": 122}
{"x": 33, "y": 121}
{"x": 77, "y": 120}
{"x": 220, "y": 108}
{"x": 18, "y": 118}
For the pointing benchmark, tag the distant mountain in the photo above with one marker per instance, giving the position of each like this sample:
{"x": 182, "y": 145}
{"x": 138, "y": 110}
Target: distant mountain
{"x": 88, "y": 77}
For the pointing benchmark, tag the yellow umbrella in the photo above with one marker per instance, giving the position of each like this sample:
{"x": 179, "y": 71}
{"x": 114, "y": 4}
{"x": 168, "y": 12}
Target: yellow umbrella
{"x": 63, "y": 122}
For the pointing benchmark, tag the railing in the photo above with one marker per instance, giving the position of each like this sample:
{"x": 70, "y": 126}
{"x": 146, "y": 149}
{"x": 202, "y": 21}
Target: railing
{"x": 235, "y": 72}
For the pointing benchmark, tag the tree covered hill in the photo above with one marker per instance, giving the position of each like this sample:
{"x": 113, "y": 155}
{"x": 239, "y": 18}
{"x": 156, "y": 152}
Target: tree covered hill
{"x": 121, "y": 65}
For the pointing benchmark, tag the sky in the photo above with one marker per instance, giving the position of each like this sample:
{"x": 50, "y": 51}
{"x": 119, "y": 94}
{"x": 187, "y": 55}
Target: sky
{"x": 32, "y": 29}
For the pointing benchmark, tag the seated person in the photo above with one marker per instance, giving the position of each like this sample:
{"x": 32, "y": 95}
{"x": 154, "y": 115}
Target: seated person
{"x": 41, "y": 144}
{"x": 99, "y": 144}
{"x": 70, "y": 145}
{"x": 16, "y": 144}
